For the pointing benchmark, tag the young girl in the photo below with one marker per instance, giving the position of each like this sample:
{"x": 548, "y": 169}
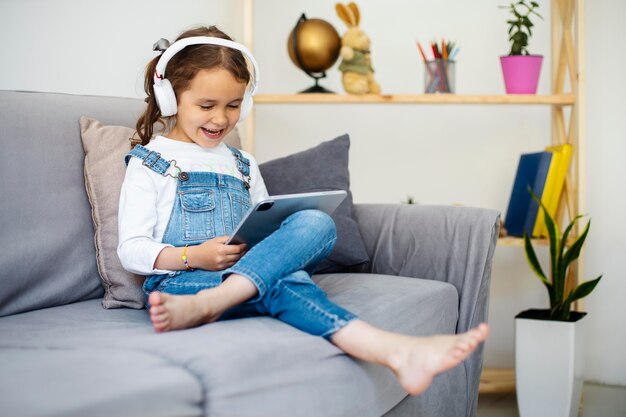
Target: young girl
{"x": 184, "y": 193}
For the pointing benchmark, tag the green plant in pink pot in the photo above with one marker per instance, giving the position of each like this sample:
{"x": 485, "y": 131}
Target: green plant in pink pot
{"x": 520, "y": 68}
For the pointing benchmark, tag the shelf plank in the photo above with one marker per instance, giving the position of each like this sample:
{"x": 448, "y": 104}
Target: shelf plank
{"x": 519, "y": 241}
{"x": 513, "y": 99}
{"x": 497, "y": 381}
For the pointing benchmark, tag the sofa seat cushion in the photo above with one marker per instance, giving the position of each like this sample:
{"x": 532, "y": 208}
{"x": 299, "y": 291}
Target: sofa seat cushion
{"x": 92, "y": 381}
{"x": 292, "y": 370}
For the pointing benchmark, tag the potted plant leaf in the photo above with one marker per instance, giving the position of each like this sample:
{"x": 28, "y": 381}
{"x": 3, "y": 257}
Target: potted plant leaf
{"x": 548, "y": 343}
{"x": 520, "y": 68}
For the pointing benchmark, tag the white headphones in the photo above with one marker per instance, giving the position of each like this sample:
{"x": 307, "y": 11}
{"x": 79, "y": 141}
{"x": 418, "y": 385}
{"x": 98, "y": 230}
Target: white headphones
{"x": 163, "y": 91}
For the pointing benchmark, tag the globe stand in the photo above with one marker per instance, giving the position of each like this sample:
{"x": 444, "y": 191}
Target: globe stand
{"x": 316, "y": 88}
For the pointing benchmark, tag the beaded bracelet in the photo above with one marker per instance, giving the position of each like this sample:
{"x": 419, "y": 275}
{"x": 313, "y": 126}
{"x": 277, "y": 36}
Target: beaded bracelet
{"x": 184, "y": 258}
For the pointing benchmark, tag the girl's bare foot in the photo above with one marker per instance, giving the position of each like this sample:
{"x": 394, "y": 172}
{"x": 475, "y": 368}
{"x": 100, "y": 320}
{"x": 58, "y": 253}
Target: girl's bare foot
{"x": 418, "y": 360}
{"x": 174, "y": 312}
{"x": 414, "y": 360}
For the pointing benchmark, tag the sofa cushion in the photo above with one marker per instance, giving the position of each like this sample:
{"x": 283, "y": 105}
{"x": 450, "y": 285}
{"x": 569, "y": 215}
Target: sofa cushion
{"x": 105, "y": 147}
{"x": 322, "y": 168}
{"x": 292, "y": 370}
{"x": 92, "y": 381}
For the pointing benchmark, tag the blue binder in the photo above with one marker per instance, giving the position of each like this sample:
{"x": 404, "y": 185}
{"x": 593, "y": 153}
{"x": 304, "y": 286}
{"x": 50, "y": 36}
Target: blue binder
{"x": 532, "y": 172}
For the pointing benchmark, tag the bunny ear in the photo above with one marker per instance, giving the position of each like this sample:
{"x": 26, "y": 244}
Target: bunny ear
{"x": 344, "y": 14}
{"x": 355, "y": 11}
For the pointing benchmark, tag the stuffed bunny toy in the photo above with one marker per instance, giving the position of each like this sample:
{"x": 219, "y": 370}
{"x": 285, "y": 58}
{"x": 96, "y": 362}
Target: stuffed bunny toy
{"x": 356, "y": 65}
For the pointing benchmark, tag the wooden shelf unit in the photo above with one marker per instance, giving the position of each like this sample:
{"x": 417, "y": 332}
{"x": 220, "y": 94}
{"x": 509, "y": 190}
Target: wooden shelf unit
{"x": 567, "y": 39}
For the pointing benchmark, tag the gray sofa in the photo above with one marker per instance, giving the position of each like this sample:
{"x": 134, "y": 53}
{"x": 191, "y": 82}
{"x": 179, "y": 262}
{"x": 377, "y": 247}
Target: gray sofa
{"x": 63, "y": 354}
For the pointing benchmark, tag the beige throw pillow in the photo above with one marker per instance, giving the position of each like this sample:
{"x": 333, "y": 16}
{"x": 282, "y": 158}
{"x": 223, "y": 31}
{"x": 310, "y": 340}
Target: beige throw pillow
{"x": 105, "y": 147}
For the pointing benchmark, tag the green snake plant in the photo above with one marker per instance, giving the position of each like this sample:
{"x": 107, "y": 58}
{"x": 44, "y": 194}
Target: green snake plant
{"x": 562, "y": 255}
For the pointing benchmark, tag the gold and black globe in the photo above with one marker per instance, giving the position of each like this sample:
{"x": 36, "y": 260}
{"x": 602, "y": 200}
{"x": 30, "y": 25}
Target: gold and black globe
{"x": 313, "y": 47}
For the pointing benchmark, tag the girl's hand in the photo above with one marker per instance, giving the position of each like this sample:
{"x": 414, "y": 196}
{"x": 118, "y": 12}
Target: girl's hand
{"x": 215, "y": 254}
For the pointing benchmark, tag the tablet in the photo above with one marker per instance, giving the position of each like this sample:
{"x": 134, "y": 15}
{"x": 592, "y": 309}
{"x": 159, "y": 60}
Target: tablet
{"x": 266, "y": 216}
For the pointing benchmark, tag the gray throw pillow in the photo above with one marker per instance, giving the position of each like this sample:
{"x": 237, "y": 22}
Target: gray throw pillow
{"x": 322, "y": 168}
{"x": 105, "y": 147}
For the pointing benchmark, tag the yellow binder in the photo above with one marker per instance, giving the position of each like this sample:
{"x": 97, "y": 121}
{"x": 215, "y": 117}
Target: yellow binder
{"x": 561, "y": 158}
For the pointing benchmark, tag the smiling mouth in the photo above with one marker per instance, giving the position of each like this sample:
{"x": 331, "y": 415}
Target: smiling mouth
{"x": 213, "y": 133}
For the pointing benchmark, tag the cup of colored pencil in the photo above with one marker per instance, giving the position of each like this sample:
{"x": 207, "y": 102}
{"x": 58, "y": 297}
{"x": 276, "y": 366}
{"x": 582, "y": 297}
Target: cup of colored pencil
{"x": 439, "y": 71}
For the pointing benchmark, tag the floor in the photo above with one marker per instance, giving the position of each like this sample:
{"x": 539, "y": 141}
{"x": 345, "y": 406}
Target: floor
{"x": 598, "y": 401}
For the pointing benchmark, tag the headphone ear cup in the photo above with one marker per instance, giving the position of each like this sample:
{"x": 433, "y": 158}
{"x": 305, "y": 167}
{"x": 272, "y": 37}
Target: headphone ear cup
{"x": 165, "y": 97}
{"x": 246, "y": 106}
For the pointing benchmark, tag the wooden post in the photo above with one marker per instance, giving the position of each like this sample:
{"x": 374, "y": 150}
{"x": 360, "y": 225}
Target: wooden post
{"x": 578, "y": 112}
{"x": 248, "y": 143}
{"x": 568, "y": 59}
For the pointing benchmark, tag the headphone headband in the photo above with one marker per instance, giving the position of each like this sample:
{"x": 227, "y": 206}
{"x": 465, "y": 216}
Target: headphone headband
{"x": 163, "y": 91}
{"x": 177, "y": 46}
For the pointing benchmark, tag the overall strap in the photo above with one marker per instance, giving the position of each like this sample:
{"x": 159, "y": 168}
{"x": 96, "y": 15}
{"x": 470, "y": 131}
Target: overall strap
{"x": 151, "y": 159}
{"x": 243, "y": 164}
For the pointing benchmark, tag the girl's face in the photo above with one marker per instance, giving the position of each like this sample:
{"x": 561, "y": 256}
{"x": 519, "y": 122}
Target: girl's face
{"x": 209, "y": 109}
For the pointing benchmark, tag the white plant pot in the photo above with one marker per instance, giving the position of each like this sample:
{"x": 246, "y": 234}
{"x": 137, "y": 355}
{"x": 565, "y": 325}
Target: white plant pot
{"x": 548, "y": 365}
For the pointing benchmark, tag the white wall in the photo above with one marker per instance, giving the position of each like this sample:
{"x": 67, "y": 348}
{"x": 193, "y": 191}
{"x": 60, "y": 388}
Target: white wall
{"x": 606, "y": 199}
{"x": 93, "y": 47}
{"x": 439, "y": 155}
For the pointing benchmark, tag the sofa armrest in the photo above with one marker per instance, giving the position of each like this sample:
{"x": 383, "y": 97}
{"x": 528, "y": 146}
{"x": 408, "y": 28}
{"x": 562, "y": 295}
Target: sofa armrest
{"x": 443, "y": 243}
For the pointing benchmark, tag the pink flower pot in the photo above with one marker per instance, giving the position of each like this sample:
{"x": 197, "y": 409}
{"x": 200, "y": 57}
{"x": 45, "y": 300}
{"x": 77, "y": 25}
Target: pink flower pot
{"x": 521, "y": 73}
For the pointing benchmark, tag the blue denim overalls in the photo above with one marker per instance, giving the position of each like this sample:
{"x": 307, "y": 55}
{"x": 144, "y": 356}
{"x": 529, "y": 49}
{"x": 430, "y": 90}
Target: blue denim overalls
{"x": 208, "y": 205}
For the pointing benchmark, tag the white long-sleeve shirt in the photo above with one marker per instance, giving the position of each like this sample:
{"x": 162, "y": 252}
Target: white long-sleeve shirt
{"x": 147, "y": 198}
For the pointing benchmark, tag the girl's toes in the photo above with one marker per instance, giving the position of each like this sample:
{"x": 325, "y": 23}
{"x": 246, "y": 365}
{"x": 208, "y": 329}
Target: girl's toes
{"x": 161, "y": 326}
{"x": 158, "y": 318}
{"x": 157, "y": 310}
{"x": 155, "y": 299}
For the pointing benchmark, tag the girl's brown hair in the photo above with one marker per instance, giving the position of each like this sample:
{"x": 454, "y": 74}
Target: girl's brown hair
{"x": 182, "y": 68}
